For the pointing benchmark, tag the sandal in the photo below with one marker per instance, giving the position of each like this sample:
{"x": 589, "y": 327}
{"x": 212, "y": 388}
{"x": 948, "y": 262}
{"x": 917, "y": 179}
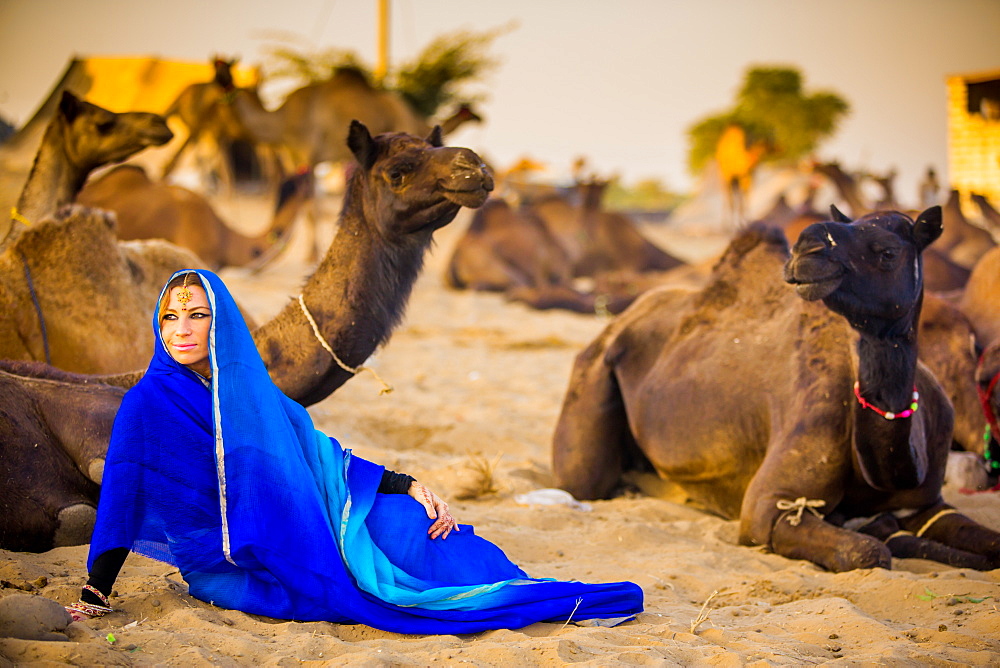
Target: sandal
{"x": 81, "y": 610}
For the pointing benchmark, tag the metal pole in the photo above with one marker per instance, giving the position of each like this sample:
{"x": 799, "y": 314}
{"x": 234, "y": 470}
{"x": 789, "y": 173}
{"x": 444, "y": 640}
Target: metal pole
{"x": 382, "y": 65}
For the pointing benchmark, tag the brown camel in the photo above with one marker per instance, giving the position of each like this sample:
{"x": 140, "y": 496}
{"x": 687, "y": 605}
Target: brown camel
{"x": 963, "y": 241}
{"x": 66, "y": 270}
{"x": 597, "y": 240}
{"x": 206, "y": 110}
{"x": 69, "y": 271}
{"x": 80, "y": 138}
{"x": 533, "y": 253}
{"x": 148, "y": 210}
{"x": 736, "y": 160}
{"x": 505, "y": 248}
{"x": 311, "y": 123}
{"x": 980, "y": 301}
{"x": 991, "y": 217}
{"x": 847, "y": 186}
{"x": 404, "y": 189}
{"x": 741, "y": 394}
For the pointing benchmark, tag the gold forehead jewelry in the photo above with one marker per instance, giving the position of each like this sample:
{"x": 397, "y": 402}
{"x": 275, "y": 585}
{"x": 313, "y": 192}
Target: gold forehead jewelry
{"x": 184, "y": 294}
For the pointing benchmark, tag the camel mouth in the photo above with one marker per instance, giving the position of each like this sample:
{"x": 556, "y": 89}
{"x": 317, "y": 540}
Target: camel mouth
{"x": 471, "y": 198}
{"x": 817, "y": 290}
{"x": 158, "y": 136}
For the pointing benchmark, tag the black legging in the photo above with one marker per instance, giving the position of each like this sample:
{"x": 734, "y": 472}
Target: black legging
{"x": 108, "y": 564}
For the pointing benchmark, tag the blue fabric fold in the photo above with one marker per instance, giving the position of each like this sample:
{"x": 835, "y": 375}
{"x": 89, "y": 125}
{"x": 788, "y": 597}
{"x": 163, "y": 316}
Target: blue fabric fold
{"x": 230, "y": 482}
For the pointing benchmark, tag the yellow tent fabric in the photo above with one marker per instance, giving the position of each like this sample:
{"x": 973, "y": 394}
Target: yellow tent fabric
{"x": 121, "y": 83}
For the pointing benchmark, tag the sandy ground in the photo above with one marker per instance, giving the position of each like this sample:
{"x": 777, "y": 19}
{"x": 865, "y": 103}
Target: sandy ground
{"x": 478, "y": 383}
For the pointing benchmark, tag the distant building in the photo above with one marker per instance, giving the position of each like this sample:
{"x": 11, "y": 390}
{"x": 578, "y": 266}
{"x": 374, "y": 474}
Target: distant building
{"x": 974, "y": 134}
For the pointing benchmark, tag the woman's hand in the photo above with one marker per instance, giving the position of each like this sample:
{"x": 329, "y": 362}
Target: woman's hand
{"x": 436, "y": 509}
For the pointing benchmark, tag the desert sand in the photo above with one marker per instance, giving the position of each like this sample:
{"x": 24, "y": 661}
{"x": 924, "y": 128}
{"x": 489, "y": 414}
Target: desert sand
{"x": 478, "y": 383}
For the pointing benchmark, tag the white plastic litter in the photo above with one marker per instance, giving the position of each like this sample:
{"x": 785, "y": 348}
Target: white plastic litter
{"x": 550, "y": 497}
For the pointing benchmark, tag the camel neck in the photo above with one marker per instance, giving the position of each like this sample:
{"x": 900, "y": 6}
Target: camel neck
{"x": 886, "y": 453}
{"x": 357, "y": 296}
{"x": 53, "y": 181}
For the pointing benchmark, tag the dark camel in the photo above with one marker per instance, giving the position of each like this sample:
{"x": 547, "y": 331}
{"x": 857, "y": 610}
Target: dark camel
{"x": 741, "y": 393}
{"x": 80, "y": 138}
{"x": 404, "y": 189}
{"x": 148, "y": 210}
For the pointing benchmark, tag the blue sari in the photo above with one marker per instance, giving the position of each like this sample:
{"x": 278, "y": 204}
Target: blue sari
{"x": 230, "y": 482}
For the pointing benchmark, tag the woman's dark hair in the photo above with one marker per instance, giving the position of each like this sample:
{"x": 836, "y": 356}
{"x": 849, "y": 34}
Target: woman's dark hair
{"x": 187, "y": 278}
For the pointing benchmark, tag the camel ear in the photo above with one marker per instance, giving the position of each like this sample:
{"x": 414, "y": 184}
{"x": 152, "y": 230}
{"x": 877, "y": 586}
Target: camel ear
{"x": 360, "y": 141}
{"x": 69, "y": 105}
{"x": 838, "y": 216}
{"x": 928, "y": 227}
{"x": 435, "y": 138}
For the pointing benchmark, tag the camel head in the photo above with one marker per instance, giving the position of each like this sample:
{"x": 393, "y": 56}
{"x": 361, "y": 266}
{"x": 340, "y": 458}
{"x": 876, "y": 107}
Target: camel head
{"x": 413, "y": 184}
{"x": 224, "y": 73}
{"x": 868, "y": 270}
{"x": 93, "y": 136}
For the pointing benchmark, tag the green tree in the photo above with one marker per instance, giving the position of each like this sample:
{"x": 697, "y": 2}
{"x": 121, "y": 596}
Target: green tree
{"x": 772, "y": 108}
{"x": 433, "y": 79}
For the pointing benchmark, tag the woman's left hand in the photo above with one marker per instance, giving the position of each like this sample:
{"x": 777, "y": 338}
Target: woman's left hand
{"x": 436, "y": 509}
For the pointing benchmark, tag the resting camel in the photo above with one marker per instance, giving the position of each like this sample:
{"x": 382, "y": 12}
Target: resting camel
{"x": 741, "y": 393}
{"x": 991, "y": 217}
{"x": 597, "y": 240}
{"x": 311, "y": 123}
{"x": 148, "y": 210}
{"x": 80, "y": 138}
{"x": 980, "y": 301}
{"x": 404, "y": 189}
{"x": 847, "y": 186}
{"x": 506, "y": 247}
{"x": 736, "y": 160}
{"x": 53, "y": 278}
{"x": 963, "y": 241}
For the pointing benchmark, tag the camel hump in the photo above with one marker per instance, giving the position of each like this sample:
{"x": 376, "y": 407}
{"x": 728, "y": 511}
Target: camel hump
{"x": 771, "y": 240}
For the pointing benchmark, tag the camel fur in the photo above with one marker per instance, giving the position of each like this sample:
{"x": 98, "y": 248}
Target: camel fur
{"x": 80, "y": 138}
{"x": 148, "y": 210}
{"x": 404, "y": 189}
{"x": 741, "y": 394}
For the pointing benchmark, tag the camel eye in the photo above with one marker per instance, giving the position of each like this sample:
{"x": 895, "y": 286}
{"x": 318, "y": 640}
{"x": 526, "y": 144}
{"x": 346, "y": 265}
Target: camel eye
{"x": 106, "y": 127}
{"x": 397, "y": 173}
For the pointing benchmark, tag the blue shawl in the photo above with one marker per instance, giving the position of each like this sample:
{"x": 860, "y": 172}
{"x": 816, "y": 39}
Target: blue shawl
{"x": 230, "y": 482}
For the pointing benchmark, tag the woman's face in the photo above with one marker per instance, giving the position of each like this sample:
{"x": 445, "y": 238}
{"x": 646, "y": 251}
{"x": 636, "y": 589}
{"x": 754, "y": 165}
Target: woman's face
{"x": 185, "y": 326}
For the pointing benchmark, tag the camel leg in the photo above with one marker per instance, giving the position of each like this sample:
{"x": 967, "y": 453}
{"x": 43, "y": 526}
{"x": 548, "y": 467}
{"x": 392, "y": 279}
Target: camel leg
{"x": 833, "y": 548}
{"x": 592, "y": 432}
{"x": 942, "y": 524}
{"x": 175, "y": 158}
{"x": 905, "y": 545}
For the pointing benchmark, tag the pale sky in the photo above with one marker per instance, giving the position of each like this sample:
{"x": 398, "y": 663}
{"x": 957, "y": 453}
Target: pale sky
{"x": 617, "y": 81}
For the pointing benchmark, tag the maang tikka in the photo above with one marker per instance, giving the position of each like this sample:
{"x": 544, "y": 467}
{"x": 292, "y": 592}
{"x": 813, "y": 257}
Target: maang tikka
{"x": 184, "y": 294}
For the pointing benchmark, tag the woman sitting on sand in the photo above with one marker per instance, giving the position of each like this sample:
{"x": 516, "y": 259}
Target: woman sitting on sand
{"x": 213, "y": 469}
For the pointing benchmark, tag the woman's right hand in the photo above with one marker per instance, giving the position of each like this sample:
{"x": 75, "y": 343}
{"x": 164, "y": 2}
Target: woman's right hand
{"x": 436, "y": 509}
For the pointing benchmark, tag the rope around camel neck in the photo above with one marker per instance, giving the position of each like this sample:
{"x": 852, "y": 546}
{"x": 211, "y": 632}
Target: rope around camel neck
{"x": 386, "y": 387}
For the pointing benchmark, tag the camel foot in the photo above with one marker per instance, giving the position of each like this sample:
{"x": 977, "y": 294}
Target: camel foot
{"x": 76, "y": 524}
